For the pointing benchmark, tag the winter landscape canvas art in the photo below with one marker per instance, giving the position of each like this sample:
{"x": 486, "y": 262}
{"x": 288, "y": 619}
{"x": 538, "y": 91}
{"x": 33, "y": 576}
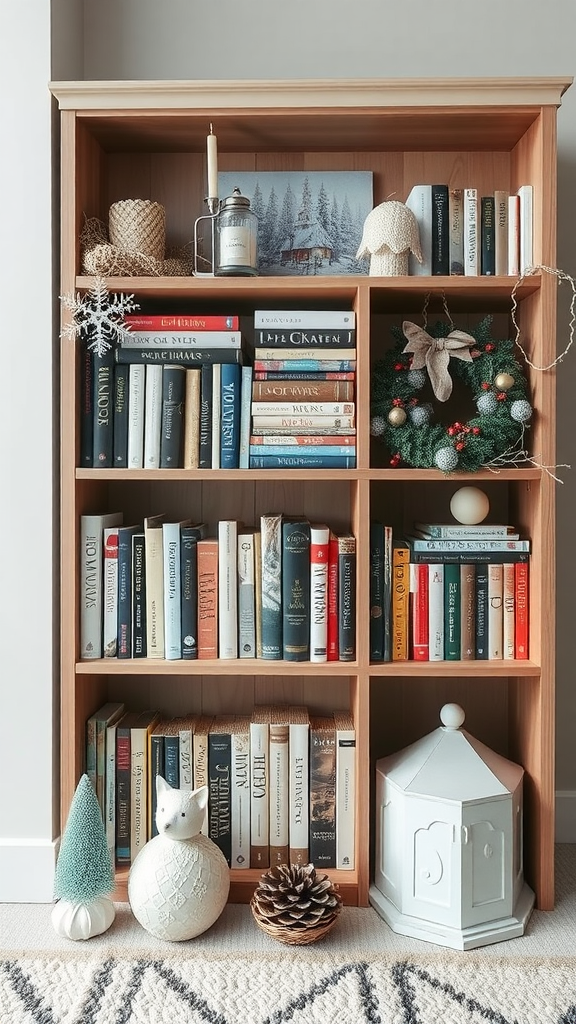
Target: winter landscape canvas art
{"x": 309, "y": 222}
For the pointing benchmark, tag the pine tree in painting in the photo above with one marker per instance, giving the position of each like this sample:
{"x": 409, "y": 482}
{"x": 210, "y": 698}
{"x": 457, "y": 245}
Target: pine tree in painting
{"x": 84, "y": 869}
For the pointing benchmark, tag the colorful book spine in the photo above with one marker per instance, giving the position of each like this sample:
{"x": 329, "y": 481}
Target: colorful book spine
{"x": 189, "y": 537}
{"x": 110, "y": 782}
{"x": 271, "y": 577}
{"x": 501, "y": 232}
{"x": 155, "y": 768}
{"x": 495, "y": 601}
{"x": 302, "y": 461}
{"x": 172, "y": 753}
{"x": 419, "y": 608}
{"x": 521, "y": 616}
{"x": 317, "y": 444}
{"x": 230, "y": 402}
{"x": 215, "y": 411}
{"x": 200, "y": 751}
{"x": 228, "y": 588}
{"x": 154, "y": 554}
{"x": 467, "y": 611}
{"x": 123, "y": 772}
{"x": 245, "y": 416}
{"x": 269, "y": 408}
{"x": 346, "y": 597}
{"x": 181, "y": 322}
{"x": 171, "y": 544}
{"x": 172, "y": 426}
{"x": 508, "y": 610}
{"x": 436, "y": 629}
{"x": 319, "y": 544}
{"x": 345, "y": 791}
{"x": 333, "y": 611}
{"x": 139, "y": 742}
{"x": 261, "y": 365}
{"x": 322, "y": 792}
{"x": 456, "y": 230}
{"x": 387, "y": 592}
{"x": 86, "y": 405}
{"x": 400, "y": 601}
{"x": 295, "y": 580}
{"x": 207, "y": 554}
{"x": 309, "y": 377}
{"x": 177, "y": 356}
{"x": 302, "y": 390}
{"x": 110, "y": 593}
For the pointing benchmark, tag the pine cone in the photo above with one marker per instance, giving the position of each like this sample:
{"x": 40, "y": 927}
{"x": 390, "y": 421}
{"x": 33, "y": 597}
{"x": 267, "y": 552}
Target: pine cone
{"x": 295, "y": 904}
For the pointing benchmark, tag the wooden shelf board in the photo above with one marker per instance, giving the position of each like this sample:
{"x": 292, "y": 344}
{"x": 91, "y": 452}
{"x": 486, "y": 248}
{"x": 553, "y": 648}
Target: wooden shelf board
{"x": 212, "y": 667}
{"x": 450, "y": 669}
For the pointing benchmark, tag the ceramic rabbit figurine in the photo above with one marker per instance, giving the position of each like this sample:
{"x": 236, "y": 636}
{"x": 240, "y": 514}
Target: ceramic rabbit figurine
{"x": 179, "y": 883}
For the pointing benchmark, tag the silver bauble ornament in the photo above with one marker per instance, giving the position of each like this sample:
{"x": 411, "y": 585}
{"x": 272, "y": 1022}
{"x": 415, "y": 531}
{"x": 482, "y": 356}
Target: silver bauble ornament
{"x": 446, "y": 459}
{"x": 377, "y": 426}
{"x": 419, "y": 415}
{"x": 521, "y": 410}
{"x": 487, "y": 404}
{"x": 504, "y": 381}
{"x": 397, "y": 417}
{"x": 416, "y": 379}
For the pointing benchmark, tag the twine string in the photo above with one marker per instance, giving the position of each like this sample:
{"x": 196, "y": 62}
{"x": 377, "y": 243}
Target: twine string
{"x": 562, "y": 276}
{"x": 444, "y": 306}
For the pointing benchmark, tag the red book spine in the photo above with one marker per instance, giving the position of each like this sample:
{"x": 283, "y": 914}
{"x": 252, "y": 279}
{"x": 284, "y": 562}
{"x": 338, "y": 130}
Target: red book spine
{"x": 420, "y": 641}
{"x": 333, "y": 649}
{"x": 521, "y": 610}
{"x": 181, "y": 322}
{"x": 207, "y": 557}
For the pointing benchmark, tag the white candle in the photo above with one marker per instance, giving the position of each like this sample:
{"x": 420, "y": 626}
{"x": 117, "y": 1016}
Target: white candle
{"x": 212, "y": 154}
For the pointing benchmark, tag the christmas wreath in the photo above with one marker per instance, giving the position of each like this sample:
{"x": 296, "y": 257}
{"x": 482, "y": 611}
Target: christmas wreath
{"x": 406, "y": 422}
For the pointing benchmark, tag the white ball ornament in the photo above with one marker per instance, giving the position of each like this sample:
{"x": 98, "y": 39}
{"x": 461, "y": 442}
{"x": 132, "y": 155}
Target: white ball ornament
{"x": 377, "y": 426}
{"x": 420, "y": 415}
{"x": 487, "y": 404}
{"x": 179, "y": 883}
{"x": 446, "y": 459}
{"x": 521, "y": 410}
{"x": 417, "y": 379}
{"x": 469, "y": 505}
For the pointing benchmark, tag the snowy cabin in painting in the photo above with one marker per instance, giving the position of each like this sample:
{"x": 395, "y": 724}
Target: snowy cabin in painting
{"x": 309, "y": 244}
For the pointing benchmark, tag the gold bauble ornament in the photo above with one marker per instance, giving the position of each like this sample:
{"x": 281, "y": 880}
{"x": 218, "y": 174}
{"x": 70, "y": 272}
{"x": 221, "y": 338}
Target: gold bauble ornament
{"x": 396, "y": 417}
{"x": 504, "y": 381}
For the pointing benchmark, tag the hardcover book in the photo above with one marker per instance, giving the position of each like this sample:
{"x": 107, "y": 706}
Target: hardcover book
{"x": 440, "y": 230}
{"x": 298, "y": 784}
{"x": 182, "y": 339}
{"x": 220, "y": 784}
{"x": 260, "y": 787}
{"x": 139, "y": 642}
{"x": 279, "y": 786}
{"x": 207, "y": 555}
{"x": 436, "y": 627}
{"x": 172, "y": 580}
{"x": 419, "y": 200}
{"x": 246, "y": 596}
{"x": 400, "y": 601}
{"x": 322, "y": 792}
{"x": 125, "y": 578}
{"x": 230, "y": 401}
{"x": 152, "y": 415}
{"x": 495, "y": 619}
{"x": 481, "y": 614}
{"x": 521, "y": 617}
{"x": 310, "y": 339}
{"x": 240, "y": 784}
{"x": 91, "y": 580}
{"x": 271, "y": 582}
{"x": 189, "y": 537}
{"x": 419, "y": 611}
{"x": 227, "y": 588}
{"x": 110, "y": 593}
{"x": 345, "y": 790}
{"x": 120, "y": 427}
{"x": 487, "y": 236}
{"x": 154, "y": 554}
{"x": 181, "y": 322}
{"x": 346, "y": 597}
{"x": 136, "y": 411}
{"x": 308, "y": 319}
{"x": 333, "y": 612}
{"x": 501, "y": 231}
{"x": 452, "y": 611}
{"x": 471, "y": 246}
{"x": 200, "y": 752}
{"x": 456, "y": 230}
{"x": 205, "y": 442}
{"x": 192, "y": 418}
{"x": 187, "y": 725}
{"x": 103, "y": 411}
{"x": 140, "y": 729}
{"x": 96, "y": 757}
{"x": 319, "y": 544}
{"x": 86, "y": 406}
{"x": 282, "y": 390}
{"x": 295, "y": 579}
{"x": 508, "y": 610}
{"x": 172, "y": 427}
{"x": 467, "y": 611}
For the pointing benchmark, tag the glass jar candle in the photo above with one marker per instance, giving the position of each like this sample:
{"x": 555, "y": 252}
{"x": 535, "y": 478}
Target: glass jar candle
{"x": 236, "y": 253}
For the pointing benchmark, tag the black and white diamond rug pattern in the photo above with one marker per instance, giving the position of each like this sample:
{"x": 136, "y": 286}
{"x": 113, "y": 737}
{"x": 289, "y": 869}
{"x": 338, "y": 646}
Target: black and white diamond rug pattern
{"x": 287, "y": 987}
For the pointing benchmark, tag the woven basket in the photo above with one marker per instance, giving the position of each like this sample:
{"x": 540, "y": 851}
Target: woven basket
{"x": 292, "y": 935}
{"x": 138, "y": 225}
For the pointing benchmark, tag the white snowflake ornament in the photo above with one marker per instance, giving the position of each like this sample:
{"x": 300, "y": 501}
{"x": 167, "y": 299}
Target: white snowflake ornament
{"x": 99, "y": 315}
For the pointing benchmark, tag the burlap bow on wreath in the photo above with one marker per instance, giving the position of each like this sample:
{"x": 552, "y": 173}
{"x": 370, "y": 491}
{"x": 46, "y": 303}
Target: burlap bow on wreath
{"x": 433, "y": 354}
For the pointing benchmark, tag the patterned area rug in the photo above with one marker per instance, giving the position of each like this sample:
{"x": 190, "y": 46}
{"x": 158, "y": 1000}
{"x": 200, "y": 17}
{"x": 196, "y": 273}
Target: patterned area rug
{"x": 296, "y": 985}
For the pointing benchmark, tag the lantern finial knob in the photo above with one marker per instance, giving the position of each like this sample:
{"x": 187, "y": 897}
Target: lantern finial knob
{"x": 452, "y": 716}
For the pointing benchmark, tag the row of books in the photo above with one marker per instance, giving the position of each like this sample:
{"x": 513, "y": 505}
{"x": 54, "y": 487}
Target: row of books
{"x": 282, "y": 783}
{"x": 463, "y": 232}
{"x": 285, "y": 590}
{"x": 436, "y": 599}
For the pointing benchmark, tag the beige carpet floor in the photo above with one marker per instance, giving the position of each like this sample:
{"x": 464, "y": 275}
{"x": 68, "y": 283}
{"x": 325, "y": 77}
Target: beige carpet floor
{"x": 358, "y": 931}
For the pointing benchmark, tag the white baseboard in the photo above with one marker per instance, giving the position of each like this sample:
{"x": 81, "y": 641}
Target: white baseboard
{"x": 565, "y": 831}
{"x": 27, "y": 870}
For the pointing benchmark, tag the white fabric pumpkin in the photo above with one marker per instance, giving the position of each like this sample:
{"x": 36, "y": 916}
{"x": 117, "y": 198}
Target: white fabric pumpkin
{"x": 83, "y": 920}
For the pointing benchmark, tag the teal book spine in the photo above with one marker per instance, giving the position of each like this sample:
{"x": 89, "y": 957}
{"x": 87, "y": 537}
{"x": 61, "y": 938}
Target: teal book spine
{"x": 271, "y": 579}
{"x": 296, "y": 589}
{"x": 230, "y": 399}
{"x": 452, "y": 612}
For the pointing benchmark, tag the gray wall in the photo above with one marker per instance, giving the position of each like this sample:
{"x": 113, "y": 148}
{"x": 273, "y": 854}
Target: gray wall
{"x": 145, "y": 39}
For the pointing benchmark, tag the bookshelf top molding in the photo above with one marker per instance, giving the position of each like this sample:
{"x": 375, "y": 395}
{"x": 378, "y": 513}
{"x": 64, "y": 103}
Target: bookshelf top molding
{"x": 328, "y": 93}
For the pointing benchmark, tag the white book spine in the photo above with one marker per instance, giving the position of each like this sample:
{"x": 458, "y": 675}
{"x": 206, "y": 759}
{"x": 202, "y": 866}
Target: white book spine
{"x": 186, "y": 759}
{"x": 279, "y": 794}
{"x": 345, "y": 798}
{"x": 200, "y": 749}
{"x": 138, "y": 790}
{"x": 297, "y": 422}
{"x": 456, "y": 233}
{"x": 420, "y": 202}
{"x": 471, "y": 248}
{"x": 216, "y": 404}
{"x": 319, "y": 540}
{"x": 110, "y": 791}
{"x": 182, "y": 339}
{"x": 92, "y": 581}
{"x": 436, "y": 611}
{"x": 514, "y": 236}
{"x": 246, "y": 597}
{"x": 245, "y": 414}
{"x": 136, "y": 408}
{"x": 228, "y": 588}
{"x": 259, "y": 795}
{"x": 495, "y": 617}
{"x": 172, "y": 603}
{"x": 152, "y": 416}
{"x": 240, "y": 812}
{"x": 526, "y": 196}
{"x": 299, "y": 803}
{"x": 153, "y": 547}
{"x": 303, "y": 408}
{"x": 501, "y": 233}
{"x": 326, "y": 319}
{"x": 110, "y": 593}
{"x": 508, "y": 610}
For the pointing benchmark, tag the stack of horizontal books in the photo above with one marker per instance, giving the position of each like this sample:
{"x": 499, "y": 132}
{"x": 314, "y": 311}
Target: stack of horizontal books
{"x": 303, "y": 390}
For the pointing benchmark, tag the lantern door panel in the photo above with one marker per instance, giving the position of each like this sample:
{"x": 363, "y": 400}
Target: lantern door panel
{"x": 487, "y": 864}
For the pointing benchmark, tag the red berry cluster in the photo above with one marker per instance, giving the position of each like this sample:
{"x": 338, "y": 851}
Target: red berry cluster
{"x": 396, "y": 460}
{"x": 459, "y": 434}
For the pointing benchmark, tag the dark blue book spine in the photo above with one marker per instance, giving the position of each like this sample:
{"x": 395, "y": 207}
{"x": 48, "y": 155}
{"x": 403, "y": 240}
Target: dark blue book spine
{"x": 86, "y": 406}
{"x": 220, "y": 791}
{"x": 302, "y": 462}
{"x": 171, "y": 436}
{"x": 488, "y": 235}
{"x": 230, "y": 395}
{"x": 296, "y": 589}
{"x": 347, "y": 598}
{"x": 205, "y": 456}
{"x": 189, "y": 537}
{"x": 139, "y": 647}
{"x": 103, "y": 411}
{"x": 155, "y": 768}
{"x": 376, "y": 591}
{"x": 271, "y": 576}
{"x": 481, "y": 623}
{"x": 440, "y": 230}
{"x": 121, "y": 374}
{"x": 125, "y": 535}
{"x": 172, "y": 761}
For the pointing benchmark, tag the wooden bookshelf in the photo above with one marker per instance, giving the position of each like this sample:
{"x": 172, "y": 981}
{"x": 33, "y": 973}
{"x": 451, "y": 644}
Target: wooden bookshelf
{"x": 147, "y": 139}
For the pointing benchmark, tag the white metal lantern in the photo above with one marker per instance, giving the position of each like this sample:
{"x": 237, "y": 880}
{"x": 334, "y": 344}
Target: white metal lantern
{"x": 449, "y": 840}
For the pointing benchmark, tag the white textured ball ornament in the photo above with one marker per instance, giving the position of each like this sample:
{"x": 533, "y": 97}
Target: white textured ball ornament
{"x": 419, "y": 415}
{"x": 377, "y": 426}
{"x": 469, "y": 505}
{"x": 417, "y": 379}
{"x": 521, "y": 410}
{"x": 446, "y": 459}
{"x": 487, "y": 404}
{"x": 179, "y": 883}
